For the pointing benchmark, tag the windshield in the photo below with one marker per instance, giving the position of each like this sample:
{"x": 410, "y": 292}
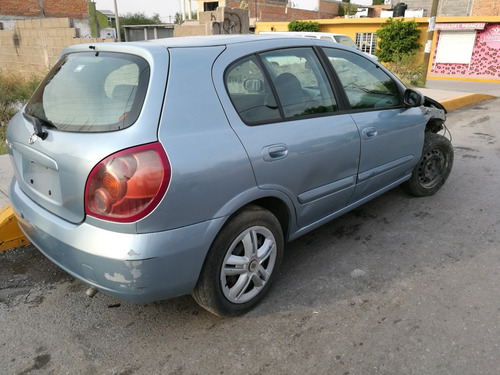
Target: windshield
{"x": 91, "y": 92}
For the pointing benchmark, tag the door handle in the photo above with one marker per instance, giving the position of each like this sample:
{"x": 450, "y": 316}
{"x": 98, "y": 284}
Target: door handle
{"x": 369, "y": 133}
{"x": 274, "y": 152}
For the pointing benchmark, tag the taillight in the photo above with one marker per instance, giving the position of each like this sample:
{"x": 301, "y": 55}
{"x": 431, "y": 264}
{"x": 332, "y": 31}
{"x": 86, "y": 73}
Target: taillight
{"x": 128, "y": 185}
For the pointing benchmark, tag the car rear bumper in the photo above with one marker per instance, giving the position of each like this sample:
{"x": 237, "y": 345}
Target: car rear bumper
{"x": 134, "y": 267}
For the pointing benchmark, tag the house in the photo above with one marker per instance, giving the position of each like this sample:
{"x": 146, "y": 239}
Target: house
{"x": 478, "y": 36}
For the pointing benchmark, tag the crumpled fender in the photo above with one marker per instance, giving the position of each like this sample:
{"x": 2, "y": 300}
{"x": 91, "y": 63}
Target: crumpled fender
{"x": 435, "y": 114}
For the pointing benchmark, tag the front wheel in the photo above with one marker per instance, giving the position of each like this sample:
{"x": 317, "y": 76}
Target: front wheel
{"x": 433, "y": 168}
{"x": 241, "y": 264}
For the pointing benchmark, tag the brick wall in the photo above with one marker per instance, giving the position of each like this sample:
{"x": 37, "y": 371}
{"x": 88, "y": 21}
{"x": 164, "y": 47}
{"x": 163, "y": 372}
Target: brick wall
{"x": 44, "y": 8}
{"x": 269, "y": 10}
{"x": 485, "y": 8}
{"x": 35, "y": 44}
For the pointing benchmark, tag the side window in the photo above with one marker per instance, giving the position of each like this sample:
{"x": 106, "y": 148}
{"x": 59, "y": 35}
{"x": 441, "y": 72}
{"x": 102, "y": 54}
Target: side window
{"x": 366, "y": 86}
{"x": 300, "y": 82}
{"x": 250, "y": 92}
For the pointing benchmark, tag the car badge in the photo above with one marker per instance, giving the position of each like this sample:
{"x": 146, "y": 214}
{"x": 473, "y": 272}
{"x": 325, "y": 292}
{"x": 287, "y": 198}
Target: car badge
{"x": 33, "y": 138}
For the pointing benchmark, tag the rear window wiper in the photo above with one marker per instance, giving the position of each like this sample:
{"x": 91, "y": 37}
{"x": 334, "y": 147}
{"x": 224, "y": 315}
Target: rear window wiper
{"x": 37, "y": 126}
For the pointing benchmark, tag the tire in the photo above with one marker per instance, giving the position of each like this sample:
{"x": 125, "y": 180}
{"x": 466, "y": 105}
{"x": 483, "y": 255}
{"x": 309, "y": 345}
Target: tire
{"x": 433, "y": 168}
{"x": 242, "y": 263}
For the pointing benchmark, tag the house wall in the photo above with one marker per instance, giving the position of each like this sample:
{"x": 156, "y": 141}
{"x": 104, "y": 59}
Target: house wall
{"x": 349, "y": 27}
{"x": 456, "y": 8}
{"x": 45, "y": 8}
{"x": 224, "y": 20}
{"x": 485, "y": 8}
{"x": 276, "y": 10}
{"x": 34, "y": 45}
{"x": 485, "y": 60}
{"x": 452, "y": 8}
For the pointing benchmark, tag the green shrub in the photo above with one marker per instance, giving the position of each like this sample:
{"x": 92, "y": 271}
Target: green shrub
{"x": 397, "y": 38}
{"x": 303, "y": 26}
{"x": 15, "y": 90}
{"x": 407, "y": 68}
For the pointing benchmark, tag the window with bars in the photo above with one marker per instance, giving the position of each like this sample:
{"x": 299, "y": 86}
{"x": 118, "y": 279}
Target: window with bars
{"x": 366, "y": 42}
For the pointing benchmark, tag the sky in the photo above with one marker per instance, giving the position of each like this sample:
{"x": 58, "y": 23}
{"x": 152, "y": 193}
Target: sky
{"x": 168, "y": 8}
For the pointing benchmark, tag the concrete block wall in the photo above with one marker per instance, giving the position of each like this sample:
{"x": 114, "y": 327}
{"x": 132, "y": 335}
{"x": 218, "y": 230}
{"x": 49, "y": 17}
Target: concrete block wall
{"x": 414, "y": 4}
{"x": 446, "y": 8}
{"x": 454, "y": 8}
{"x": 34, "y": 45}
{"x": 224, "y": 20}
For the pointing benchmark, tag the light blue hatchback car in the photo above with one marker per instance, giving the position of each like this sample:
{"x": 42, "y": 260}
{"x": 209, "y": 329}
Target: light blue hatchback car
{"x": 157, "y": 169}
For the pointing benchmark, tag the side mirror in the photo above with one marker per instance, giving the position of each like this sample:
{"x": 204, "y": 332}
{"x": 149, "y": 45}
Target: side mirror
{"x": 413, "y": 98}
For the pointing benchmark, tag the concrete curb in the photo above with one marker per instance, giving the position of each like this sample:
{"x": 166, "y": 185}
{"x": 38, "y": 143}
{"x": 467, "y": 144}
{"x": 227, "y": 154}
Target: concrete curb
{"x": 11, "y": 236}
{"x": 464, "y": 101}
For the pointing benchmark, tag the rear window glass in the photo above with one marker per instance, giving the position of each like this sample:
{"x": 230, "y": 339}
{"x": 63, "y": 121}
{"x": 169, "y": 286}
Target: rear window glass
{"x": 91, "y": 92}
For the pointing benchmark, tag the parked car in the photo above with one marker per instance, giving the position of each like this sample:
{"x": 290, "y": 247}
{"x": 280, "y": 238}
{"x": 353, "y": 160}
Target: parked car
{"x": 152, "y": 170}
{"x": 330, "y": 37}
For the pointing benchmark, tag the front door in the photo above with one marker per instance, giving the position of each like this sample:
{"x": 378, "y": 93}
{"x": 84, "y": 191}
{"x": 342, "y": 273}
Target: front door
{"x": 296, "y": 138}
{"x": 391, "y": 134}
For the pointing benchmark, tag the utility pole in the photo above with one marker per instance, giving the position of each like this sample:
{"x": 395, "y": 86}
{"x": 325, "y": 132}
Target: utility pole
{"x": 117, "y": 24}
{"x": 430, "y": 34}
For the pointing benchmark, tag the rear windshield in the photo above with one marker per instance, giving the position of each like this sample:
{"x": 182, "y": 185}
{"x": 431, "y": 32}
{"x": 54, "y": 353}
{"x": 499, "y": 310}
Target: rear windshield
{"x": 91, "y": 92}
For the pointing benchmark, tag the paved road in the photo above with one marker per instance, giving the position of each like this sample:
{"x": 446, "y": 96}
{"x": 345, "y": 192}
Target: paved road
{"x": 399, "y": 286}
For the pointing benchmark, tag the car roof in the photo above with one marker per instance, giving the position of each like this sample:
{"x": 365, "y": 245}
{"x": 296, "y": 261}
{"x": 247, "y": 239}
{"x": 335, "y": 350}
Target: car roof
{"x": 292, "y": 33}
{"x": 198, "y": 41}
{"x": 212, "y": 40}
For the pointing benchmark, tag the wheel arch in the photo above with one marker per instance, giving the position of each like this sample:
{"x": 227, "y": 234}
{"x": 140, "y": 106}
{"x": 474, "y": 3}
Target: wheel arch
{"x": 279, "y": 209}
{"x": 275, "y": 201}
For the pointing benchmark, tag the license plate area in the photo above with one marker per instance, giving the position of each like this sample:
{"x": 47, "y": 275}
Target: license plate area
{"x": 42, "y": 180}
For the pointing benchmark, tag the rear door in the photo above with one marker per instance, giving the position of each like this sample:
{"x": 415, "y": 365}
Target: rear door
{"x": 391, "y": 134}
{"x": 283, "y": 109}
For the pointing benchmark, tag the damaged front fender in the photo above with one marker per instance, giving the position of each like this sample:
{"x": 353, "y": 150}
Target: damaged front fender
{"x": 435, "y": 114}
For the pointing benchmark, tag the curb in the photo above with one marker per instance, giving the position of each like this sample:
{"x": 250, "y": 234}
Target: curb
{"x": 464, "y": 101}
{"x": 11, "y": 236}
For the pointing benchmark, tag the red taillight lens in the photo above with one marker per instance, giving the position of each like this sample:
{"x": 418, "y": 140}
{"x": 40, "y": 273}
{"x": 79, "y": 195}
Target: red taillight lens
{"x": 128, "y": 185}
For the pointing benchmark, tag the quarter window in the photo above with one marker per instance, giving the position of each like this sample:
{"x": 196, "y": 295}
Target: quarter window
{"x": 250, "y": 92}
{"x": 366, "y": 85}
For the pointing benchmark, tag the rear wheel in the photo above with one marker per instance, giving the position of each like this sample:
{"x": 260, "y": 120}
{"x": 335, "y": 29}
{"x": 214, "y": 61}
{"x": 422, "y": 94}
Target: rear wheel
{"x": 433, "y": 168}
{"x": 242, "y": 263}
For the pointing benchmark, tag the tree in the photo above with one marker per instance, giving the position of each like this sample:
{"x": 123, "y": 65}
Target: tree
{"x": 138, "y": 18}
{"x": 397, "y": 39}
{"x": 303, "y": 26}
